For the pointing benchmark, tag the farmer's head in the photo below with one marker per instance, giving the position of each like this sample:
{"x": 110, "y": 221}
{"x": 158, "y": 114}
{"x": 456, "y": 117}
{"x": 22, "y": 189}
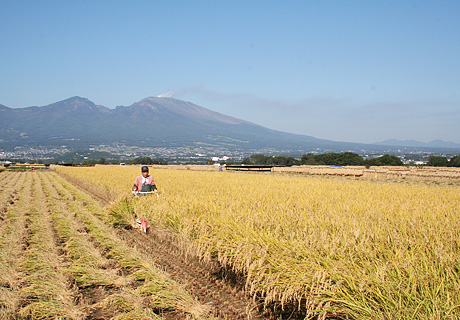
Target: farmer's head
{"x": 145, "y": 171}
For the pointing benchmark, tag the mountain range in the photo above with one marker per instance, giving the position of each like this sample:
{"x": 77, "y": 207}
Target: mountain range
{"x": 152, "y": 122}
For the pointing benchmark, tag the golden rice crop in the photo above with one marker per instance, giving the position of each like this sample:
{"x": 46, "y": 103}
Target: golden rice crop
{"x": 361, "y": 249}
{"x": 53, "y": 247}
{"x": 158, "y": 292}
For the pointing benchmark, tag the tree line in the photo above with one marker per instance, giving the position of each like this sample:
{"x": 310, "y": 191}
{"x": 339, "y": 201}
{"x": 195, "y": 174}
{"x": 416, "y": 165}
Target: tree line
{"x": 344, "y": 159}
{"x": 436, "y": 161}
{"x": 337, "y": 159}
{"x": 147, "y": 160}
{"x": 138, "y": 160}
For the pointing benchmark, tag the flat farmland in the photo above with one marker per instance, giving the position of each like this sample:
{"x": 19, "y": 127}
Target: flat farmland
{"x": 308, "y": 246}
{"x": 226, "y": 245}
{"x": 59, "y": 259}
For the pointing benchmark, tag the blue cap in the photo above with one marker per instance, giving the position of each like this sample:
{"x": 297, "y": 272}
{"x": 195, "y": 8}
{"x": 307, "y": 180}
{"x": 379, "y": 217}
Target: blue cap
{"x": 145, "y": 169}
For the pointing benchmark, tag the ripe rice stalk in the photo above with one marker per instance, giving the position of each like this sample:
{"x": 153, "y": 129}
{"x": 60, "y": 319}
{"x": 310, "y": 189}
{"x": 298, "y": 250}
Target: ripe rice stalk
{"x": 12, "y": 239}
{"x": 47, "y": 291}
{"x": 370, "y": 250}
{"x": 87, "y": 265}
{"x": 157, "y": 287}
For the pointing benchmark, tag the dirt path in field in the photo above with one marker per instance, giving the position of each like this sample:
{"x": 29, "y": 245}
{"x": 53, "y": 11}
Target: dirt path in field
{"x": 209, "y": 284}
{"x": 226, "y": 299}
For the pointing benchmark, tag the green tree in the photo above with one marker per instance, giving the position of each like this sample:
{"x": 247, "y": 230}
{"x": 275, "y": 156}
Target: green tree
{"x": 260, "y": 159}
{"x": 246, "y": 161}
{"x": 147, "y": 160}
{"x": 308, "y": 159}
{"x": 385, "y": 160}
{"x": 340, "y": 159}
{"x": 141, "y": 160}
{"x": 454, "y": 161}
{"x": 291, "y": 161}
{"x": 437, "y": 161}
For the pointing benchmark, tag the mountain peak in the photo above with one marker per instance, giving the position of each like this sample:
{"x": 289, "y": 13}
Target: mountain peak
{"x": 149, "y": 100}
{"x": 158, "y": 99}
{"x": 74, "y": 101}
{"x": 76, "y": 98}
{"x": 152, "y": 122}
{"x": 74, "y": 104}
{"x": 186, "y": 109}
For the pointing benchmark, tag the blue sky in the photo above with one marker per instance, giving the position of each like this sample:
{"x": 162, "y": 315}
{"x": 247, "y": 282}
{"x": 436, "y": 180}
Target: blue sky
{"x": 360, "y": 71}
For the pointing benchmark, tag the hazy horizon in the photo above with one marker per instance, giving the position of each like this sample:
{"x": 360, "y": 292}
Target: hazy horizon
{"x": 345, "y": 71}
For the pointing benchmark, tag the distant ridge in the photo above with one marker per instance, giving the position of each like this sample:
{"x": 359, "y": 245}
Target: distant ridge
{"x": 158, "y": 122}
{"x": 152, "y": 122}
{"x": 417, "y": 144}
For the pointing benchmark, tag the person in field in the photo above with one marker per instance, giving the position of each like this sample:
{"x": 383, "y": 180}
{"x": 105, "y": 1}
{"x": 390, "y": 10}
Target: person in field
{"x": 144, "y": 182}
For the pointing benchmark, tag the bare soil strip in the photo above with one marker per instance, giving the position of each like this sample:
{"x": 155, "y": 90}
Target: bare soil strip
{"x": 210, "y": 285}
{"x": 226, "y": 299}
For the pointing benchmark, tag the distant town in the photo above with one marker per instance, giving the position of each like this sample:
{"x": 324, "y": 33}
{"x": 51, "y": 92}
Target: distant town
{"x": 198, "y": 154}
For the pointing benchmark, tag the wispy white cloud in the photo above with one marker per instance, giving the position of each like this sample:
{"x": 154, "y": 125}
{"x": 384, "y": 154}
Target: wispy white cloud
{"x": 167, "y": 94}
{"x": 244, "y": 100}
{"x": 342, "y": 119}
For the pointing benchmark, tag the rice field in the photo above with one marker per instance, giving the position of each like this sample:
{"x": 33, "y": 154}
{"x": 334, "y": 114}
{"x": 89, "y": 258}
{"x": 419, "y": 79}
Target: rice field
{"x": 60, "y": 260}
{"x": 329, "y": 248}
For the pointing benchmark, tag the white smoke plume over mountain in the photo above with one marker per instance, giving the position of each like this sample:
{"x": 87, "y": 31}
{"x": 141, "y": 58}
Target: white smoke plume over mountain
{"x": 167, "y": 94}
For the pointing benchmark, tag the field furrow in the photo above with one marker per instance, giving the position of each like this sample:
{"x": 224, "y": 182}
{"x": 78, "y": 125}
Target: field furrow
{"x": 13, "y": 238}
{"x": 96, "y": 276}
{"x": 10, "y": 189}
{"x": 47, "y": 292}
{"x": 153, "y": 293}
{"x": 227, "y": 300}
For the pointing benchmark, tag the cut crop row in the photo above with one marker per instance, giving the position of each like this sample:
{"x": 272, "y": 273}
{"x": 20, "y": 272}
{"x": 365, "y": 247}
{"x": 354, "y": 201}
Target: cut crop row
{"x": 88, "y": 266}
{"x": 155, "y": 293}
{"x": 13, "y": 237}
{"x": 10, "y": 185}
{"x": 86, "y": 263}
{"x": 47, "y": 292}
